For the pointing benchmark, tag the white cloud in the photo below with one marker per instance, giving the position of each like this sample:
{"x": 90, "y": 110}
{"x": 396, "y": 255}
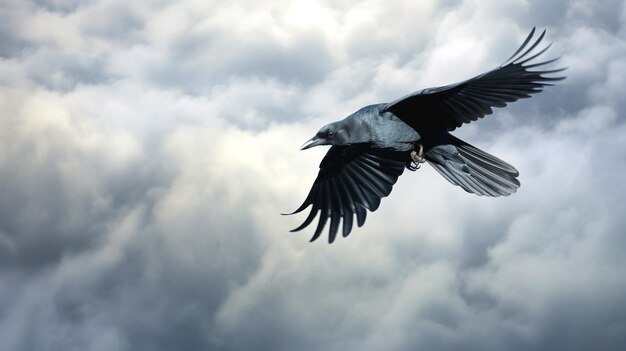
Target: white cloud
{"x": 146, "y": 152}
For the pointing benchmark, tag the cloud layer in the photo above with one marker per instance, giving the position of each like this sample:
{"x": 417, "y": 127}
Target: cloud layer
{"x": 146, "y": 151}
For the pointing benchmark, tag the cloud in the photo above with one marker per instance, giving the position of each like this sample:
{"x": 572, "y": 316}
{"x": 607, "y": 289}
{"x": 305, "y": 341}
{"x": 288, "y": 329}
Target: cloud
{"x": 146, "y": 151}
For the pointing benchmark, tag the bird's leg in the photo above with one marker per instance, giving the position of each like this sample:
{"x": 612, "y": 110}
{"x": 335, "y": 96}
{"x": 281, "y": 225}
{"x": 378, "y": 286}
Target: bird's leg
{"x": 417, "y": 157}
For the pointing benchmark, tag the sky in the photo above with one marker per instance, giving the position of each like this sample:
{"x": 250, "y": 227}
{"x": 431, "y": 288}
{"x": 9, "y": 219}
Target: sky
{"x": 147, "y": 150}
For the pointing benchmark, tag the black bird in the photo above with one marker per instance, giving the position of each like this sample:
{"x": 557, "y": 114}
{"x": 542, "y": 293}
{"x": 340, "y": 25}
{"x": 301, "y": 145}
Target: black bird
{"x": 372, "y": 147}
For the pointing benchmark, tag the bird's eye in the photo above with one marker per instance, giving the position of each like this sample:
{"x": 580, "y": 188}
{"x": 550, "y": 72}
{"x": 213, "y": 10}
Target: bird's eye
{"x": 330, "y": 133}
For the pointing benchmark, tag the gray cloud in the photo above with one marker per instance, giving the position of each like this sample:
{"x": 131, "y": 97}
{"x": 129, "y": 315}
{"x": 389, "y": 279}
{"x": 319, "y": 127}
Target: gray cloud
{"x": 147, "y": 150}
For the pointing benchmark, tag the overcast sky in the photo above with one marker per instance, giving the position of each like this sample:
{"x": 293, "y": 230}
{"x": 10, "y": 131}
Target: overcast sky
{"x": 147, "y": 150}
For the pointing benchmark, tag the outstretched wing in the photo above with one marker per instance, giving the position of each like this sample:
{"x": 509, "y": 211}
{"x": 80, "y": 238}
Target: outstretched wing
{"x": 448, "y": 107}
{"x": 351, "y": 179}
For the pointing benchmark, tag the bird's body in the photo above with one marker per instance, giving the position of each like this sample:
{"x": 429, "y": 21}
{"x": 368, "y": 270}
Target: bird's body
{"x": 381, "y": 129}
{"x": 372, "y": 147}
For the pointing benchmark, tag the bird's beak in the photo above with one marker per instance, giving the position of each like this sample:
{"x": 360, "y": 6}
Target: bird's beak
{"x": 314, "y": 141}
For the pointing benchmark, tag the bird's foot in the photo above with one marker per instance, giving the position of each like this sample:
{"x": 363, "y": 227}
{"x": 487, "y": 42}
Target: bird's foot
{"x": 417, "y": 158}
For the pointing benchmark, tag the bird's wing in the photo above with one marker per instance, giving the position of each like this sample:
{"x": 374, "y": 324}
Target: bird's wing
{"x": 472, "y": 169}
{"x": 448, "y": 107}
{"x": 351, "y": 179}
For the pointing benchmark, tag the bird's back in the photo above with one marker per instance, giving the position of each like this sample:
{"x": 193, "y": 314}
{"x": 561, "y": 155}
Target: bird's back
{"x": 386, "y": 130}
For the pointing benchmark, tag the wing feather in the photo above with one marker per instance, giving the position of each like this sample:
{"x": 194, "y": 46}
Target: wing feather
{"x": 351, "y": 179}
{"x": 449, "y": 107}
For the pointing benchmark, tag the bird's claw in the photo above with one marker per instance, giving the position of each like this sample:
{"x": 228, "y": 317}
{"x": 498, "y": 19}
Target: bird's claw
{"x": 417, "y": 157}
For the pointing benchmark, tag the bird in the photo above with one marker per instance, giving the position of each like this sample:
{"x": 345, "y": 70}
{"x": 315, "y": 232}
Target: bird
{"x": 373, "y": 146}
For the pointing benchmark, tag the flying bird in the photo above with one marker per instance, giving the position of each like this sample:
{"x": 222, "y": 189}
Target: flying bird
{"x": 372, "y": 147}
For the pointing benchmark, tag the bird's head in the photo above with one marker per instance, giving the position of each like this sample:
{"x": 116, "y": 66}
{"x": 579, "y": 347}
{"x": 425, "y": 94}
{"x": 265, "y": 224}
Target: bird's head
{"x": 331, "y": 134}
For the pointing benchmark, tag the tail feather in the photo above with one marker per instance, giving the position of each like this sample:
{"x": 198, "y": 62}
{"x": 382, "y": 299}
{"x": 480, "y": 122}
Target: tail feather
{"x": 474, "y": 170}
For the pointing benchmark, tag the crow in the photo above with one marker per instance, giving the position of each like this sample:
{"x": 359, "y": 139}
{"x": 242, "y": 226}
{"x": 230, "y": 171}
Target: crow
{"x": 372, "y": 147}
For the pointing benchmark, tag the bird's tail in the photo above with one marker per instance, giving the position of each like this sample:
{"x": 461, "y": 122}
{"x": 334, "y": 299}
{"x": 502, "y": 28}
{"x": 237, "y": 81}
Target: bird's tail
{"x": 472, "y": 169}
